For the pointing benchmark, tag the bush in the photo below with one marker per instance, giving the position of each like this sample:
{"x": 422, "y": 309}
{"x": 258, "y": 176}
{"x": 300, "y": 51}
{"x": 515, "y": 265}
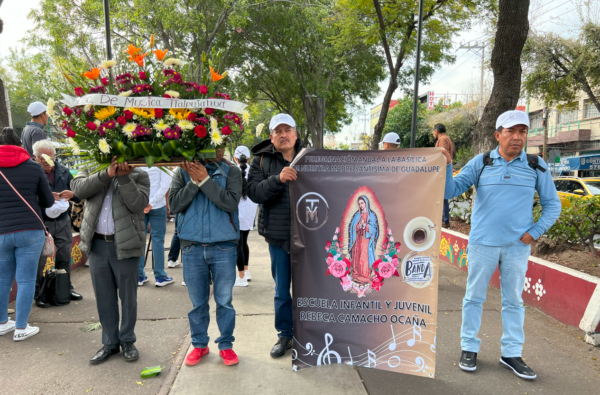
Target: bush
{"x": 462, "y": 213}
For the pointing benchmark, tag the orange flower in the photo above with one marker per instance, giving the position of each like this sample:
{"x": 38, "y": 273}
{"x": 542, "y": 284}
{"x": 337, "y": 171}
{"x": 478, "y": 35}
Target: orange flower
{"x": 92, "y": 74}
{"x": 139, "y": 59}
{"x": 214, "y": 75}
{"x": 152, "y": 41}
{"x": 160, "y": 55}
{"x": 132, "y": 51}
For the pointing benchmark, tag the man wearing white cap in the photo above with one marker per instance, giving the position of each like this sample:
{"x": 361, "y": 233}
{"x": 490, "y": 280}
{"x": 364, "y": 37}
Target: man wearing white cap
{"x": 390, "y": 141}
{"x": 268, "y": 182}
{"x": 34, "y": 130}
{"x": 502, "y": 231}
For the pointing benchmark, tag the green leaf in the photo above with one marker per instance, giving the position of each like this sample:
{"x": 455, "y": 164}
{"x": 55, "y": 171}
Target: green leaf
{"x": 150, "y": 159}
{"x": 151, "y": 372}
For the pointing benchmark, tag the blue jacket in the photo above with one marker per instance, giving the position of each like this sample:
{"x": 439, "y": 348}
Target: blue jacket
{"x": 203, "y": 221}
{"x": 503, "y": 209}
{"x": 62, "y": 182}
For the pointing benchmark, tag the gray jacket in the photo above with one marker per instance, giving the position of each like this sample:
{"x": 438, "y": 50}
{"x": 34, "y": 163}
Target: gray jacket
{"x": 32, "y": 133}
{"x": 131, "y": 196}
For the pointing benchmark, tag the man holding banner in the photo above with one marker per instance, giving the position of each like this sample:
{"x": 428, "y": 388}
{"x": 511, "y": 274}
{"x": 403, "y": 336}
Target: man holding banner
{"x": 502, "y": 231}
{"x": 268, "y": 186}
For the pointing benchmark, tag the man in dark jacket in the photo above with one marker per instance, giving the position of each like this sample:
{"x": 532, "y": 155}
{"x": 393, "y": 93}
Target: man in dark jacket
{"x": 268, "y": 186}
{"x": 59, "y": 178}
{"x": 34, "y": 130}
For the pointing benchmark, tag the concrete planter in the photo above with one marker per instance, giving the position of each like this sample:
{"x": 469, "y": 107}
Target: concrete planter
{"x": 568, "y": 295}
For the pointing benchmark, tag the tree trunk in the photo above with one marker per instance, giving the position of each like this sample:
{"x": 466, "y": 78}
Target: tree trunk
{"x": 4, "y": 121}
{"x": 511, "y": 34}
{"x": 313, "y": 111}
{"x": 385, "y": 107}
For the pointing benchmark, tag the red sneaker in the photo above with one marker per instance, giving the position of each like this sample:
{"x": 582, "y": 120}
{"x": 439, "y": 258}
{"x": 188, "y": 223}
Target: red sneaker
{"x": 229, "y": 357}
{"x": 195, "y": 356}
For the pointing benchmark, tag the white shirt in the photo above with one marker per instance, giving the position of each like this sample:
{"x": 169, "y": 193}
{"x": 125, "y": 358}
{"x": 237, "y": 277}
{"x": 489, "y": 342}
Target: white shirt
{"x": 160, "y": 182}
{"x": 247, "y": 211}
{"x": 106, "y": 223}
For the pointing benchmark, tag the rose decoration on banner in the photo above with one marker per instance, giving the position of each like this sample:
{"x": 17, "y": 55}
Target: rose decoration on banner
{"x": 144, "y": 111}
{"x": 383, "y": 268}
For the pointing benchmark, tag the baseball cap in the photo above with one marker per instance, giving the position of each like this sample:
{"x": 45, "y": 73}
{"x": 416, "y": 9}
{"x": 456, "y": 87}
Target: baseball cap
{"x": 36, "y": 108}
{"x": 57, "y": 209}
{"x": 241, "y": 150}
{"x": 281, "y": 118}
{"x": 391, "y": 138}
{"x": 511, "y": 118}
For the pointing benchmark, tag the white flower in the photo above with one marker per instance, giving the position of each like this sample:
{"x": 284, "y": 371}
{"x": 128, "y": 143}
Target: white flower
{"x": 48, "y": 160}
{"x": 216, "y": 139}
{"x": 160, "y": 126}
{"x": 74, "y": 146}
{"x": 107, "y": 64}
{"x": 126, "y": 93}
{"x": 184, "y": 124}
{"x": 172, "y": 93}
{"x": 214, "y": 125}
{"x": 129, "y": 128}
{"x": 173, "y": 62}
{"x": 259, "y": 129}
{"x": 104, "y": 147}
{"x": 97, "y": 122}
{"x": 50, "y": 107}
{"x": 246, "y": 117}
{"x": 87, "y": 107}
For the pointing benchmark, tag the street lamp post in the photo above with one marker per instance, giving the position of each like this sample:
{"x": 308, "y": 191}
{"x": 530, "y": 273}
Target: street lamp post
{"x": 107, "y": 30}
{"x": 413, "y": 129}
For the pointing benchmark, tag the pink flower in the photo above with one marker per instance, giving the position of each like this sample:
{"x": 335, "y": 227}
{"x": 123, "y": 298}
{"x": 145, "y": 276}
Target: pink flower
{"x": 203, "y": 89}
{"x": 337, "y": 231}
{"x": 329, "y": 260}
{"x": 395, "y": 261}
{"x": 338, "y": 269}
{"x": 79, "y": 91}
{"x": 389, "y": 232}
{"x": 142, "y": 75}
{"x": 346, "y": 282}
{"x": 376, "y": 283}
{"x": 104, "y": 81}
{"x": 386, "y": 269}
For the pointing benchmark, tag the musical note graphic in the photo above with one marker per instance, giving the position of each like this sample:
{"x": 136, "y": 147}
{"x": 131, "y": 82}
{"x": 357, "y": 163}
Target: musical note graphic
{"x": 309, "y": 348}
{"x": 432, "y": 347}
{"x": 393, "y": 345}
{"x": 411, "y": 342}
{"x": 294, "y": 354}
{"x": 351, "y": 362}
{"x": 325, "y": 353}
{"x": 371, "y": 358}
{"x": 421, "y": 363}
{"x": 394, "y": 358}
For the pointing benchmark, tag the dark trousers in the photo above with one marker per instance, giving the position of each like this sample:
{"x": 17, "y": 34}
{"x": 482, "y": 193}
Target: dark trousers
{"x": 281, "y": 270}
{"x": 114, "y": 279}
{"x": 175, "y": 245}
{"x": 446, "y": 213}
{"x": 63, "y": 240}
{"x": 243, "y": 252}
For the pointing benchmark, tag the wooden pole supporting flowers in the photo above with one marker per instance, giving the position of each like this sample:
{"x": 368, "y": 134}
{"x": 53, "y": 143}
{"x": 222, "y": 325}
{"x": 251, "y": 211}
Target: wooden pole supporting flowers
{"x": 150, "y": 115}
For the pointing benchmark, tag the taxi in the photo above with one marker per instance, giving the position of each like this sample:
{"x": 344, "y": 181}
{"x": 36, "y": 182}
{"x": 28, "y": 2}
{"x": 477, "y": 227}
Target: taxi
{"x": 575, "y": 186}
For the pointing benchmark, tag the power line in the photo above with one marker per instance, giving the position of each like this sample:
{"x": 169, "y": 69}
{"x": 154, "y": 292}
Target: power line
{"x": 450, "y": 72}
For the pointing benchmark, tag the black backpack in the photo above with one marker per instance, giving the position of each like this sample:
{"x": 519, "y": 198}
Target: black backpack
{"x": 532, "y": 160}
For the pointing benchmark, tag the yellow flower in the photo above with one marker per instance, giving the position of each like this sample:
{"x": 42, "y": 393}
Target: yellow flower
{"x": 214, "y": 125}
{"x": 215, "y": 138}
{"x": 160, "y": 126}
{"x": 173, "y": 94}
{"x": 48, "y": 160}
{"x": 246, "y": 117}
{"x": 179, "y": 113}
{"x": 259, "y": 129}
{"x": 129, "y": 128}
{"x": 104, "y": 147}
{"x": 184, "y": 124}
{"x": 74, "y": 146}
{"x": 126, "y": 93}
{"x": 143, "y": 112}
{"x": 107, "y": 64}
{"x": 105, "y": 112}
{"x": 87, "y": 107}
{"x": 173, "y": 62}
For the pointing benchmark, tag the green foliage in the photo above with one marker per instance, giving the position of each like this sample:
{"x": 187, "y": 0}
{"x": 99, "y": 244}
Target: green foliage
{"x": 460, "y": 121}
{"x": 463, "y": 156}
{"x": 464, "y": 210}
{"x": 399, "y": 121}
{"x": 577, "y": 224}
{"x": 344, "y": 147}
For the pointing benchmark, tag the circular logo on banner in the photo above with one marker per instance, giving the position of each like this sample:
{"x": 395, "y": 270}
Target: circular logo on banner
{"x": 417, "y": 270}
{"x": 312, "y": 211}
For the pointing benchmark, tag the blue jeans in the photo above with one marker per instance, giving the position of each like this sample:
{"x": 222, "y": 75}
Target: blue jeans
{"x": 483, "y": 261}
{"x": 446, "y": 212}
{"x": 175, "y": 245}
{"x": 199, "y": 262}
{"x": 281, "y": 270}
{"x": 158, "y": 227}
{"x": 19, "y": 256}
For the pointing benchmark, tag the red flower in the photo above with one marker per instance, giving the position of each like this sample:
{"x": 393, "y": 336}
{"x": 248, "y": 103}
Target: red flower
{"x": 209, "y": 111}
{"x": 158, "y": 112}
{"x": 142, "y": 75}
{"x": 376, "y": 263}
{"x": 376, "y": 283}
{"x": 167, "y": 96}
{"x": 128, "y": 114}
{"x": 71, "y": 132}
{"x": 200, "y": 131}
{"x": 328, "y": 244}
{"x": 397, "y": 245}
{"x": 104, "y": 81}
{"x": 203, "y": 89}
{"x": 347, "y": 261}
{"x": 91, "y": 125}
{"x": 79, "y": 91}
{"x": 226, "y": 130}
{"x": 121, "y": 120}
{"x": 67, "y": 111}
{"x": 192, "y": 117}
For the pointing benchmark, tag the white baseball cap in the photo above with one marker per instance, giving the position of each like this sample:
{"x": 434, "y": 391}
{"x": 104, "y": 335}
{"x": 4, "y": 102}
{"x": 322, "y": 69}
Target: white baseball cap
{"x": 241, "y": 150}
{"x": 511, "y": 118}
{"x": 281, "y": 118}
{"x": 391, "y": 138}
{"x": 57, "y": 209}
{"x": 36, "y": 108}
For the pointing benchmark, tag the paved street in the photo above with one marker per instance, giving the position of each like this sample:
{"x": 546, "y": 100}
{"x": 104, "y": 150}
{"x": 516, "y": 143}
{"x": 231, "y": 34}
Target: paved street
{"x": 56, "y": 360}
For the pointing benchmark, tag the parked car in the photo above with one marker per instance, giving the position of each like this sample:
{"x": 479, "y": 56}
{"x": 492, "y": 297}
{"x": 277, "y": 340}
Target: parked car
{"x": 574, "y": 186}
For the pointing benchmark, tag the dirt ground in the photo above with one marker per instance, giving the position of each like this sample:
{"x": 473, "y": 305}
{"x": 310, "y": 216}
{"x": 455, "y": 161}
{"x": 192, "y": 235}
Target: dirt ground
{"x": 575, "y": 257}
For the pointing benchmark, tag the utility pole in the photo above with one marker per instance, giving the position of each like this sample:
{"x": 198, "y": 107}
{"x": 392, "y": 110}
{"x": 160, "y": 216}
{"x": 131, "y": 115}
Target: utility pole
{"x": 107, "y": 30}
{"x": 364, "y": 118}
{"x": 413, "y": 129}
{"x": 474, "y": 48}
{"x": 546, "y": 112}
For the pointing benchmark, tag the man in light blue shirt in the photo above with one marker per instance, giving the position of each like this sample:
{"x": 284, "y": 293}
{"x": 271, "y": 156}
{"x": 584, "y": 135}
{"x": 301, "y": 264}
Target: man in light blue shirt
{"x": 502, "y": 230}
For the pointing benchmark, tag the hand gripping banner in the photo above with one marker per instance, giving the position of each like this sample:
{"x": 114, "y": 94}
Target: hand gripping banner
{"x": 366, "y": 229}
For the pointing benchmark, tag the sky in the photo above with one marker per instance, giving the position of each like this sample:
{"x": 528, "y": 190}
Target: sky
{"x": 460, "y": 78}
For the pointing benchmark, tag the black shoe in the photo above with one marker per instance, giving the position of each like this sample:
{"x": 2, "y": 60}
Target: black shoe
{"x": 468, "y": 361}
{"x": 41, "y": 304}
{"x": 75, "y": 296}
{"x": 103, "y": 354}
{"x": 281, "y": 347}
{"x": 519, "y": 367}
{"x": 130, "y": 352}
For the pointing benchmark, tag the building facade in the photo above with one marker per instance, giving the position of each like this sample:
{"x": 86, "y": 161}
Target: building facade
{"x": 376, "y": 112}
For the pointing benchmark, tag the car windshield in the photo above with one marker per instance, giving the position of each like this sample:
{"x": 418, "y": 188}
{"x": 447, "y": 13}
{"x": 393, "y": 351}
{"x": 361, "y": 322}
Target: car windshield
{"x": 593, "y": 186}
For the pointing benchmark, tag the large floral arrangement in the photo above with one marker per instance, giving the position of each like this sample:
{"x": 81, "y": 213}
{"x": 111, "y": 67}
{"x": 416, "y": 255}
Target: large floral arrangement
{"x": 156, "y": 134}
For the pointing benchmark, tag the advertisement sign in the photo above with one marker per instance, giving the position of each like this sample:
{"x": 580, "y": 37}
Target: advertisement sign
{"x": 431, "y": 98}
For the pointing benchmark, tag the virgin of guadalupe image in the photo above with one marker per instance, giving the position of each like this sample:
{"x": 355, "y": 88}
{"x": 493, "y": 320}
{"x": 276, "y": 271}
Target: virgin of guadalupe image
{"x": 363, "y": 234}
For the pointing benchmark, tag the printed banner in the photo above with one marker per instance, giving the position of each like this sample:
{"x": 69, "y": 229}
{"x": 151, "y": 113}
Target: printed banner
{"x": 153, "y": 102}
{"x": 366, "y": 229}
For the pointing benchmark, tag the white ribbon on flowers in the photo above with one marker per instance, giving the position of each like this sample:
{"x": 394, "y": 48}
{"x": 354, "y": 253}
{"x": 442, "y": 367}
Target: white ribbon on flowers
{"x": 101, "y": 99}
